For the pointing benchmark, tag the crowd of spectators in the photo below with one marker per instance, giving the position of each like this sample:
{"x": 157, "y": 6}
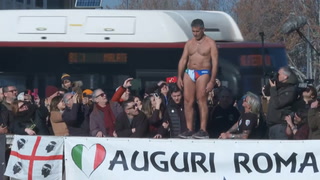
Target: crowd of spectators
{"x": 280, "y": 111}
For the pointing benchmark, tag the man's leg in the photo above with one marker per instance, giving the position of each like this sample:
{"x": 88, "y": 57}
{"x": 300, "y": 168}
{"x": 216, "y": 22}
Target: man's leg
{"x": 201, "y": 95}
{"x": 189, "y": 88}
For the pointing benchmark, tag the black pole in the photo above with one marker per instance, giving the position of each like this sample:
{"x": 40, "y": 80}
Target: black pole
{"x": 307, "y": 40}
{"x": 261, "y": 34}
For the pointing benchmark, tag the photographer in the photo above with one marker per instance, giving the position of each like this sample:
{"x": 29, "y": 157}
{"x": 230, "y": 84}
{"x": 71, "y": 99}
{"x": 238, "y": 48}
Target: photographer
{"x": 283, "y": 93}
{"x": 314, "y": 120}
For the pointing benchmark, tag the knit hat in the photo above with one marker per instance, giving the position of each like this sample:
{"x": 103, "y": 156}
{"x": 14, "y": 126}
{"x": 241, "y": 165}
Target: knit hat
{"x": 87, "y": 93}
{"x": 65, "y": 76}
{"x": 50, "y": 90}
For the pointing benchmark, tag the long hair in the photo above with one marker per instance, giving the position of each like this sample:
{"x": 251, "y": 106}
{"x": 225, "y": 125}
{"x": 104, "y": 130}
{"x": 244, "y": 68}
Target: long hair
{"x": 54, "y": 103}
{"x": 147, "y": 106}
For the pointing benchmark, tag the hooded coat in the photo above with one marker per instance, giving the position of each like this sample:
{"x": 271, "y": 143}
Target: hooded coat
{"x": 282, "y": 98}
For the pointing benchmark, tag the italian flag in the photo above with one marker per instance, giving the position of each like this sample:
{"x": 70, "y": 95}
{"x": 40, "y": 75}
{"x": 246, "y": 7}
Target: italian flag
{"x": 88, "y": 159}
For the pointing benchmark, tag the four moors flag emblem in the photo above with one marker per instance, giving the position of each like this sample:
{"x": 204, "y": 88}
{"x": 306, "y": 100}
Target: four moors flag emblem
{"x": 36, "y": 157}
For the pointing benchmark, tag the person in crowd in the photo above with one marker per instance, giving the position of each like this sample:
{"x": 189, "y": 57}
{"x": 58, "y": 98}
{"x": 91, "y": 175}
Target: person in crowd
{"x": 75, "y": 115}
{"x": 163, "y": 92}
{"x": 137, "y": 101}
{"x": 41, "y": 114}
{"x": 314, "y": 120}
{"x": 57, "y": 107}
{"x": 23, "y": 118}
{"x": 151, "y": 108}
{"x": 36, "y": 97}
{"x": 248, "y": 121}
{"x": 197, "y": 71}
{"x": 43, "y": 111}
{"x": 66, "y": 82}
{"x": 283, "y": 94}
{"x": 297, "y": 125}
{"x": 87, "y": 99}
{"x": 102, "y": 119}
{"x": 174, "y": 113}
{"x": 224, "y": 115}
{"x": 10, "y": 94}
{"x": 122, "y": 94}
{"x": 1, "y": 94}
{"x": 131, "y": 122}
{"x": 3, "y": 127}
{"x": 308, "y": 95}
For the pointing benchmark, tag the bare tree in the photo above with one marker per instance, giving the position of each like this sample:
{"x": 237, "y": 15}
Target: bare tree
{"x": 254, "y": 16}
{"x": 170, "y": 4}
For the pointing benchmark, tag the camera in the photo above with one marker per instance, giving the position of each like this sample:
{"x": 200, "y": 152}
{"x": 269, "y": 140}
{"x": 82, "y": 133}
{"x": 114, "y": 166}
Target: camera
{"x": 273, "y": 76}
{"x": 289, "y": 113}
{"x": 306, "y": 83}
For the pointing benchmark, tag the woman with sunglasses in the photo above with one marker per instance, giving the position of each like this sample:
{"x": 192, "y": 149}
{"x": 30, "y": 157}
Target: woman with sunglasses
{"x": 23, "y": 118}
{"x": 57, "y": 107}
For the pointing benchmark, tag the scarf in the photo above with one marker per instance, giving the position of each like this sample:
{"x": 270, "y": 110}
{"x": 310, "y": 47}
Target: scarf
{"x": 109, "y": 118}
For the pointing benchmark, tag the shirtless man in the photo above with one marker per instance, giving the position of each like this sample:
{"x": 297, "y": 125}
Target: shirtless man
{"x": 197, "y": 71}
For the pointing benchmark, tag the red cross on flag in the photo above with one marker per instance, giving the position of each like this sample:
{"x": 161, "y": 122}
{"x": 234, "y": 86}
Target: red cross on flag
{"x": 35, "y": 157}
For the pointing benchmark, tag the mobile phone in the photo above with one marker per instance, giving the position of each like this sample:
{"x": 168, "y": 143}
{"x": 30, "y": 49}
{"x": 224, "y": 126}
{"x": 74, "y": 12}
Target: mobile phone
{"x": 156, "y": 95}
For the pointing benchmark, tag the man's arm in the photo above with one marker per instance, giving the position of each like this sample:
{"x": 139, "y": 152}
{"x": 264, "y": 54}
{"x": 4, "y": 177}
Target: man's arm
{"x": 70, "y": 116}
{"x": 214, "y": 61}
{"x": 214, "y": 66}
{"x": 182, "y": 65}
{"x": 233, "y": 128}
{"x": 244, "y": 135}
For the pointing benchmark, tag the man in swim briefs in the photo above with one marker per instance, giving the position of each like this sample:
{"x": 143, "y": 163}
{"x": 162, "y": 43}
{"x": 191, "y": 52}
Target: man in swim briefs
{"x": 197, "y": 71}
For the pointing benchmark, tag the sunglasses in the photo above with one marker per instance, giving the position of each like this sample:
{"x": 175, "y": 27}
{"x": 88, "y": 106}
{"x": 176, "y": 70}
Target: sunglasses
{"x": 13, "y": 90}
{"x": 102, "y": 95}
{"x": 133, "y": 107}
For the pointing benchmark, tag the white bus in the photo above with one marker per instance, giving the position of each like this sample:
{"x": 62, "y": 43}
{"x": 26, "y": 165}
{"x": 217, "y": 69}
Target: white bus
{"x": 102, "y": 46}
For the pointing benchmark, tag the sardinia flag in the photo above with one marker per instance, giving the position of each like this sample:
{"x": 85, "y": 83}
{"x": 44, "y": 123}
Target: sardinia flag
{"x": 36, "y": 157}
{"x": 88, "y": 159}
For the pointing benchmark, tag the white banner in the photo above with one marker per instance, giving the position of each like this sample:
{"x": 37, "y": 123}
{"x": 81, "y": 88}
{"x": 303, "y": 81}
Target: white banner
{"x": 180, "y": 159}
{"x": 36, "y": 157}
